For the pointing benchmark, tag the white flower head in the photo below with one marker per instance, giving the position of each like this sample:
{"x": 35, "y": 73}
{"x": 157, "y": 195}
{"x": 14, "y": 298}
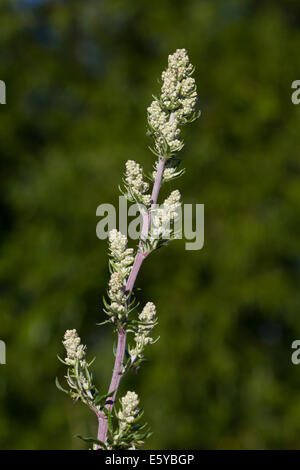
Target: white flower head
{"x": 117, "y": 243}
{"x": 143, "y": 334}
{"x": 122, "y": 257}
{"x": 78, "y": 377}
{"x": 176, "y": 104}
{"x": 75, "y": 350}
{"x": 129, "y": 409}
{"x": 148, "y": 314}
{"x": 116, "y": 287}
{"x": 164, "y": 216}
{"x": 134, "y": 179}
{"x": 117, "y": 296}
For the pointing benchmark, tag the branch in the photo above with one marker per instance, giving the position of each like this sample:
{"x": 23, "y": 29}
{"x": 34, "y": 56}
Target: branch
{"x": 140, "y": 256}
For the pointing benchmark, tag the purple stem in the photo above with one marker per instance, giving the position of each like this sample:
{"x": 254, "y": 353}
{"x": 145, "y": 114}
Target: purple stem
{"x": 140, "y": 256}
{"x": 157, "y": 182}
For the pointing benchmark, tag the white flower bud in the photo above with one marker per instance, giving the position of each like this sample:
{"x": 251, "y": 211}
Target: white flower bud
{"x": 121, "y": 255}
{"x": 134, "y": 179}
{"x": 75, "y": 350}
{"x": 142, "y": 336}
{"x": 129, "y": 410}
{"x": 163, "y": 217}
{"x": 176, "y": 105}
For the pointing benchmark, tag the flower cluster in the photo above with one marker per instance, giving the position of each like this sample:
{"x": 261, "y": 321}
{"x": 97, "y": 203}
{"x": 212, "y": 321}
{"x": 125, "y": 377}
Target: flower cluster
{"x": 137, "y": 187}
{"x": 179, "y": 89}
{"x": 165, "y": 129}
{"x": 176, "y": 105}
{"x": 121, "y": 256}
{"x": 78, "y": 376}
{"x": 121, "y": 260}
{"x": 147, "y": 321}
{"x": 117, "y": 308}
{"x": 163, "y": 219}
{"x": 129, "y": 410}
{"x": 129, "y": 434}
{"x": 75, "y": 350}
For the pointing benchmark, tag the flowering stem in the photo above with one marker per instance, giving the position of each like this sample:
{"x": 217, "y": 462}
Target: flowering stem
{"x": 114, "y": 384}
{"x": 157, "y": 182}
{"x": 134, "y": 271}
{"x": 175, "y": 107}
{"x": 121, "y": 347}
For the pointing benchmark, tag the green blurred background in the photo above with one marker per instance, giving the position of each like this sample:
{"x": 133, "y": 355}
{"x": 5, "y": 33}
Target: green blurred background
{"x": 79, "y": 77}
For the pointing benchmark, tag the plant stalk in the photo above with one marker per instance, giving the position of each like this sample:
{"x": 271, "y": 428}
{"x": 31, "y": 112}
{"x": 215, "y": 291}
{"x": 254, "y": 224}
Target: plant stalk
{"x": 121, "y": 347}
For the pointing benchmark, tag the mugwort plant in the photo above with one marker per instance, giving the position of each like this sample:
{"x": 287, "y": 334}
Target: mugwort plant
{"x": 120, "y": 427}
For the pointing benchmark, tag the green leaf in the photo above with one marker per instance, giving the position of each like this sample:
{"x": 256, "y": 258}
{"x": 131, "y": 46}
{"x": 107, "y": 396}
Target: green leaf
{"x": 103, "y": 323}
{"x": 61, "y": 360}
{"x": 60, "y": 387}
{"x": 105, "y": 303}
{"x": 91, "y": 440}
{"x": 92, "y": 361}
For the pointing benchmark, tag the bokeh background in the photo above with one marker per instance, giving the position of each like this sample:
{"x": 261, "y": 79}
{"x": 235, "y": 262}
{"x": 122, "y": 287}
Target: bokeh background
{"x": 79, "y": 77}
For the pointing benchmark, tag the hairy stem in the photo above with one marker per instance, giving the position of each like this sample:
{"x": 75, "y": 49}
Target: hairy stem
{"x": 140, "y": 256}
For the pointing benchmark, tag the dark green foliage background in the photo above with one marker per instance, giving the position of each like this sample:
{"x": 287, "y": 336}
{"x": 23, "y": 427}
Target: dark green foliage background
{"x": 79, "y": 77}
